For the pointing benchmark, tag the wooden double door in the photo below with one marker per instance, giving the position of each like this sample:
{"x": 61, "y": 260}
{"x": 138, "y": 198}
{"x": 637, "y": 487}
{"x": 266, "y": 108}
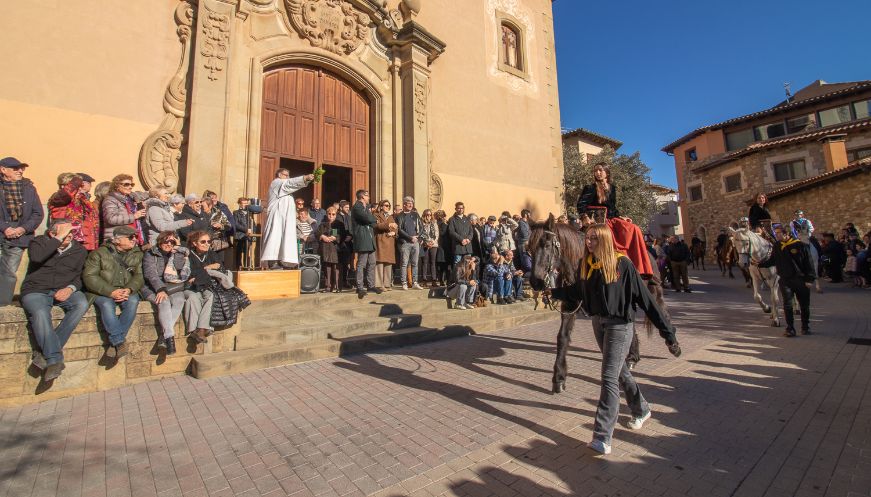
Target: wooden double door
{"x": 312, "y": 118}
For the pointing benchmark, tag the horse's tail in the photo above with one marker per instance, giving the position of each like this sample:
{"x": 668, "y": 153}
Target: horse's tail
{"x": 654, "y": 285}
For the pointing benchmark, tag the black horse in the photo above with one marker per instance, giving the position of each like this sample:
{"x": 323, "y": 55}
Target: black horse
{"x": 556, "y": 251}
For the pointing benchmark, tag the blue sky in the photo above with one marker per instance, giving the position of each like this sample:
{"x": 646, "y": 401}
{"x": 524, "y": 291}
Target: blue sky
{"x": 646, "y": 73}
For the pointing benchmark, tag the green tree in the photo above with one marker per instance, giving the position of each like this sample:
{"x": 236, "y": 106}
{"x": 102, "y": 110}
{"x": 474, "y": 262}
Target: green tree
{"x": 632, "y": 177}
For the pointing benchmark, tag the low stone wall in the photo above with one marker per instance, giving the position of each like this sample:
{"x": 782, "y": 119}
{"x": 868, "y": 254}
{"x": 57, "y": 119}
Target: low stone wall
{"x": 87, "y": 370}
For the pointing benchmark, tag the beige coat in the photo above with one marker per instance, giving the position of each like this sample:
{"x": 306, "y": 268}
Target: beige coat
{"x": 385, "y": 246}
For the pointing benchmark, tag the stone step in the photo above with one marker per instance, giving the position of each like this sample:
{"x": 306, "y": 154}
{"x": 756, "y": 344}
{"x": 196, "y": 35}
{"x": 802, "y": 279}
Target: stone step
{"x": 224, "y": 363}
{"x": 434, "y": 313}
{"x": 258, "y": 320}
{"x": 308, "y": 301}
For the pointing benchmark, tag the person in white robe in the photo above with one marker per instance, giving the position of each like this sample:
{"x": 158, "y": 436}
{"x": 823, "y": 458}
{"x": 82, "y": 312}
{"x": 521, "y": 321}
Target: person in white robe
{"x": 279, "y": 230}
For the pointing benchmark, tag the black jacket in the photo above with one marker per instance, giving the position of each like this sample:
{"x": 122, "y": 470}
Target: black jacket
{"x": 31, "y": 217}
{"x": 619, "y": 299}
{"x": 757, "y": 214}
{"x": 679, "y": 252}
{"x": 590, "y": 198}
{"x": 793, "y": 261}
{"x": 48, "y": 270}
{"x": 459, "y": 229}
{"x": 200, "y": 222}
{"x": 400, "y": 219}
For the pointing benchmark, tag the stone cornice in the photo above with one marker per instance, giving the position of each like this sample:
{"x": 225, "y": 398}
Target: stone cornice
{"x": 414, "y": 33}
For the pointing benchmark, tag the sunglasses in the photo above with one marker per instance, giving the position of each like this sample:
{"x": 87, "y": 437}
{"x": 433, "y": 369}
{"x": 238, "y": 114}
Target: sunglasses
{"x": 131, "y": 237}
{"x": 204, "y": 241}
{"x": 169, "y": 241}
{"x": 128, "y": 184}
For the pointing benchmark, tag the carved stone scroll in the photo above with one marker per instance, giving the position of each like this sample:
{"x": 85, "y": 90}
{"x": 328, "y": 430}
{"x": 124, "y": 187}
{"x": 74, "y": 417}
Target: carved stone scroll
{"x": 333, "y": 25}
{"x": 420, "y": 93}
{"x": 216, "y": 46}
{"x": 161, "y": 152}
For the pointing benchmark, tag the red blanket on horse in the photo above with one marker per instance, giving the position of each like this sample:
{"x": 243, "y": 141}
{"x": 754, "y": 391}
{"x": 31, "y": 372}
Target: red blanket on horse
{"x": 629, "y": 240}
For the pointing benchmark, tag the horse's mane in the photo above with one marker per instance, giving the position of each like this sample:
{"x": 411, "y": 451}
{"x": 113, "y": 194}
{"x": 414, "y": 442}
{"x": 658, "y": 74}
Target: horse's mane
{"x": 571, "y": 249}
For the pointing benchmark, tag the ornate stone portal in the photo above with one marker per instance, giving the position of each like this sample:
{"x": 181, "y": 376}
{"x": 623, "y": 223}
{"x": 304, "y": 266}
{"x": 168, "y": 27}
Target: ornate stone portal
{"x": 227, "y": 46}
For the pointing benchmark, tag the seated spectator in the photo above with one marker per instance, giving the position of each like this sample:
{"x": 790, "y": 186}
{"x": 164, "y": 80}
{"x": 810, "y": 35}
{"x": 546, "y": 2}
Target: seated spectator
{"x": 71, "y": 202}
{"x": 316, "y": 212}
{"x": 492, "y": 286}
{"x": 513, "y": 278}
{"x": 113, "y": 278}
{"x": 193, "y": 210}
{"x": 429, "y": 248}
{"x": 159, "y": 213}
{"x": 329, "y": 234}
{"x": 834, "y": 257}
{"x": 221, "y": 228}
{"x": 166, "y": 268}
{"x": 20, "y": 214}
{"x": 120, "y": 208}
{"x": 465, "y": 286}
{"x": 199, "y": 295}
{"x": 54, "y": 278}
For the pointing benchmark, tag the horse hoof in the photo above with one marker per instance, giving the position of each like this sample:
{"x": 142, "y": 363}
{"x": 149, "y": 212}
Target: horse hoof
{"x": 559, "y": 387}
{"x": 766, "y": 309}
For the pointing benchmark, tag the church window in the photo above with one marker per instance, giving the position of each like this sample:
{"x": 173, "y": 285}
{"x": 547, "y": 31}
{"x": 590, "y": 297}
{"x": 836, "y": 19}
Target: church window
{"x": 511, "y": 54}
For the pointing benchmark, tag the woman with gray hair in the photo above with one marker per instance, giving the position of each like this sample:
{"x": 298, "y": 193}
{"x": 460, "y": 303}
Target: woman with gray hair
{"x": 159, "y": 213}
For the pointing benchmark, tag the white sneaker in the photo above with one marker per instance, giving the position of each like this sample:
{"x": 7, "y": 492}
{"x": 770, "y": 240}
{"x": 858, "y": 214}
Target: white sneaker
{"x": 403, "y": 287}
{"x": 416, "y": 287}
{"x": 460, "y": 306}
{"x": 637, "y": 423}
{"x": 600, "y": 447}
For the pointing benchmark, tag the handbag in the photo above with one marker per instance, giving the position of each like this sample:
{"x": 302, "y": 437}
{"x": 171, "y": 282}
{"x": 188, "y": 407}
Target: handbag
{"x": 173, "y": 288}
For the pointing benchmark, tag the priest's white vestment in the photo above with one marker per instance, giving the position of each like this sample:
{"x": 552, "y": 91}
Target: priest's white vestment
{"x": 279, "y": 231}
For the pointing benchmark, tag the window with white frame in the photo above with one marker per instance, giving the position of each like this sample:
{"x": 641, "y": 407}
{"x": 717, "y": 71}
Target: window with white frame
{"x": 790, "y": 170}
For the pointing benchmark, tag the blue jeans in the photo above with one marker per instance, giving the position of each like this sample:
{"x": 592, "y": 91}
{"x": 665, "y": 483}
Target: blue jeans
{"x": 501, "y": 287}
{"x": 516, "y": 286}
{"x": 614, "y": 337}
{"x": 51, "y": 340}
{"x": 10, "y": 259}
{"x": 117, "y": 326}
{"x": 408, "y": 251}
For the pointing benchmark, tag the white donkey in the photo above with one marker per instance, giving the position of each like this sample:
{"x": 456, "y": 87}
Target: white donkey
{"x": 754, "y": 253}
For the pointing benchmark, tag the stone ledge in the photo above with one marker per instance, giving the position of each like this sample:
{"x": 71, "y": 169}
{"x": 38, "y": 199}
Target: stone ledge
{"x": 87, "y": 370}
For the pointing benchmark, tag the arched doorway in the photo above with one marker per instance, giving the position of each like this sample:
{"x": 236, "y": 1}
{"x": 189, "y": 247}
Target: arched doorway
{"x": 312, "y": 118}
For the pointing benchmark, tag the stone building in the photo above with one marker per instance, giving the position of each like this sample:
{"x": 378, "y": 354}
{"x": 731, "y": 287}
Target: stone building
{"x": 446, "y": 101}
{"x": 666, "y": 219}
{"x": 821, "y": 129}
{"x": 589, "y": 143}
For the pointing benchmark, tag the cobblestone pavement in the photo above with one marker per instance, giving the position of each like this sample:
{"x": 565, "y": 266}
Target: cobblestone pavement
{"x": 743, "y": 412}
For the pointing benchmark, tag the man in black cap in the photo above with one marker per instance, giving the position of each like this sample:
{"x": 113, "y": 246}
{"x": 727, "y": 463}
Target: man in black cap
{"x": 113, "y": 277}
{"x": 796, "y": 272}
{"x": 54, "y": 279}
{"x": 20, "y": 214}
{"x": 87, "y": 183}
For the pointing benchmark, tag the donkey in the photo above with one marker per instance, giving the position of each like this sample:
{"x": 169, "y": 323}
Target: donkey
{"x": 727, "y": 258}
{"x": 755, "y": 253}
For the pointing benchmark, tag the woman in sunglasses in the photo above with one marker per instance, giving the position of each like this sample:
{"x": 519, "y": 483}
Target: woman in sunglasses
{"x": 198, "y": 306}
{"x": 119, "y": 208}
{"x": 166, "y": 268}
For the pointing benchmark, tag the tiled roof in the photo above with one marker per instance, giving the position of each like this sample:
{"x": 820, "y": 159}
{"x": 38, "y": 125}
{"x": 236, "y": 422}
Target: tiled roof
{"x": 662, "y": 188}
{"x": 854, "y": 167}
{"x": 840, "y": 89}
{"x": 716, "y": 160}
{"x": 593, "y": 137}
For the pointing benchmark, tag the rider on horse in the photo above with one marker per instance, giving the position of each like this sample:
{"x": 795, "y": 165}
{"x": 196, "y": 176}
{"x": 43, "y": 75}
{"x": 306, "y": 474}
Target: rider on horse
{"x": 802, "y": 227}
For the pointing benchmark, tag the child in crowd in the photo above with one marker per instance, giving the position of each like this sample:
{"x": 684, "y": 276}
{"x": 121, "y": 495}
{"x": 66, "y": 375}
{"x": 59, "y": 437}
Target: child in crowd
{"x": 850, "y": 267}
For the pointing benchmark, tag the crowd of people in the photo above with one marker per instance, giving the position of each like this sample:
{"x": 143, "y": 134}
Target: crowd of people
{"x": 373, "y": 246}
{"x": 112, "y": 248}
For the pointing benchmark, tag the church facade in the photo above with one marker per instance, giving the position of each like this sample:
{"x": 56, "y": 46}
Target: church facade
{"x": 446, "y": 101}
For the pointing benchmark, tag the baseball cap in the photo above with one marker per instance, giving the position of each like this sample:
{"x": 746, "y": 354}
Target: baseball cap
{"x": 123, "y": 231}
{"x": 11, "y": 162}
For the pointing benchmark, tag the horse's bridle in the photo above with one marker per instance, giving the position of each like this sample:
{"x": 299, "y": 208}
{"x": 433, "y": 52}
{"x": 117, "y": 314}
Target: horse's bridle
{"x": 551, "y": 271}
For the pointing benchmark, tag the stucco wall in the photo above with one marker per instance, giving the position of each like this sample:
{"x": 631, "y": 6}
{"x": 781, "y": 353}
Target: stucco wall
{"x": 82, "y": 83}
{"x": 489, "y": 125}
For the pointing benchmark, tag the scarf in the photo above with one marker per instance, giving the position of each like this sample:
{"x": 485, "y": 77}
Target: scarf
{"x": 787, "y": 243}
{"x": 13, "y": 191}
{"x": 173, "y": 275}
{"x": 130, "y": 205}
{"x": 594, "y": 264}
